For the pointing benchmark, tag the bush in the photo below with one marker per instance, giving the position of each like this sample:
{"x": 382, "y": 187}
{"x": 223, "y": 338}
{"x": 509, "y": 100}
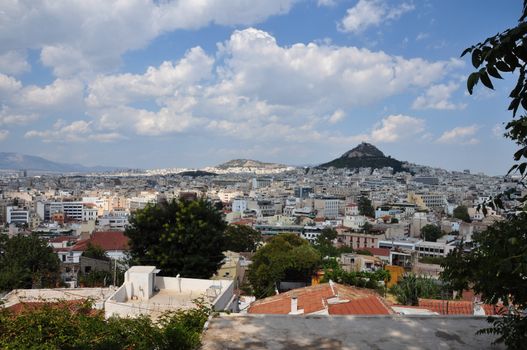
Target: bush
{"x": 411, "y": 288}
{"x": 66, "y": 325}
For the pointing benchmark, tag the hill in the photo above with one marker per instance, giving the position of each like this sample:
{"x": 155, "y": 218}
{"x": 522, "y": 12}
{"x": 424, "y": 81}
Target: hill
{"x": 365, "y": 155}
{"x": 17, "y": 161}
{"x": 249, "y": 163}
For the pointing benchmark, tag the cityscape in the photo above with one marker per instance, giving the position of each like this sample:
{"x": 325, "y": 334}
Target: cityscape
{"x": 279, "y": 174}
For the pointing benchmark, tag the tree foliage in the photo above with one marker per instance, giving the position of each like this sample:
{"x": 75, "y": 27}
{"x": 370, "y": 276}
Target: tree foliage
{"x": 365, "y": 207}
{"x": 324, "y": 242}
{"x": 179, "y": 237}
{"x": 95, "y": 252}
{"x": 65, "y": 325}
{"x": 411, "y": 288}
{"x": 242, "y": 238}
{"x": 431, "y": 232}
{"x": 461, "y": 213}
{"x": 27, "y": 261}
{"x": 364, "y": 279}
{"x": 496, "y": 269}
{"x": 503, "y": 53}
{"x": 285, "y": 257}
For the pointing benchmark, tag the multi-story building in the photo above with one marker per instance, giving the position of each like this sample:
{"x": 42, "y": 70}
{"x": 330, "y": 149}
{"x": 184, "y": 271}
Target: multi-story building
{"x": 15, "y": 215}
{"x": 358, "y": 240}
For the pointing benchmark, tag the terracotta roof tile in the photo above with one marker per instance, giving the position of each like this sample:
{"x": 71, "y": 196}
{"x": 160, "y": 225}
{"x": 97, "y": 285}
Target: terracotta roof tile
{"x": 314, "y": 298}
{"x": 370, "y": 305}
{"x": 377, "y": 251}
{"x": 110, "y": 240}
{"x": 448, "y": 307}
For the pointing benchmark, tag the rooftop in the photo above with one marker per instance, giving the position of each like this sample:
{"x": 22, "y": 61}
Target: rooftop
{"x": 329, "y": 298}
{"x": 345, "y": 332}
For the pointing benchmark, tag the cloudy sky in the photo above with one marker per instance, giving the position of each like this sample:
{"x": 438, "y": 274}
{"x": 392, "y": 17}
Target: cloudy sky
{"x": 180, "y": 83}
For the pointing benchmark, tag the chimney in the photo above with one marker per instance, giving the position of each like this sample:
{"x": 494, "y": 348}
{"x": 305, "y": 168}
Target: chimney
{"x": 294, "y": 304}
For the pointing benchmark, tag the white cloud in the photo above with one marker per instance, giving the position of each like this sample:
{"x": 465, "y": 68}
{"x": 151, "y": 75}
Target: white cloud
{"x": 370, "y": 13}
{"x": 8, "y": 118}
{"x": 460, "y": 135}
{"x": 14, "y": 62}
{"x": 156, "y": 82}
{"x": 82, "y": 37}
{"x": 326, "y": 2}
{"x": 77, "y": 131}
{"x": 3, "y": 134}
{"x": 337, "y": 116}
{"x": 498, "y": 130}
{"x": 422, "y": 36}
{"x": 397, "y": 127}
{"x": 438, "y": 97}
{"x": 258, "y": 90}
{"x": 59, "y": 94}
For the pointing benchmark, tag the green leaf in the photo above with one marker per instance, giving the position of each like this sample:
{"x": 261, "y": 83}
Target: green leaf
{"x": 512, "y": 168}
{"x": 514, "y": 106}
{"x": 471, "y": 81}
{"x": 485, "y": 79}
{"x": 476, "y": 58}
{"x": 504, "y": 67}
{"x": 522, "y": 168}
{"x": 519, "y": 153}
{"x": 467, "y": 50}
{"x": 493, "y": 72}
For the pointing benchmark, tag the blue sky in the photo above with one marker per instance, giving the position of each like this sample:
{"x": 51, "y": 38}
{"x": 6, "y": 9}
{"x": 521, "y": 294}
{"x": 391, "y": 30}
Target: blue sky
{"x": 152, "y": 84}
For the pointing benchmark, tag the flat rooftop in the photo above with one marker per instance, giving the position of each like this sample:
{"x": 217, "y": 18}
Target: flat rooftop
{"x": 169, "y": 299}
{"x": 346, "y": 332}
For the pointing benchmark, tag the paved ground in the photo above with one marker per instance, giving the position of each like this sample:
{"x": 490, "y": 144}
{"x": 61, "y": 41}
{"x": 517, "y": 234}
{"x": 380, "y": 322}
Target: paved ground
{"x": 345, "y": 332}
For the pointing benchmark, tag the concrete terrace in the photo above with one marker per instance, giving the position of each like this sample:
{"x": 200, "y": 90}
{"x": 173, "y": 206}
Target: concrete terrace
{"x": 346, "y": 332}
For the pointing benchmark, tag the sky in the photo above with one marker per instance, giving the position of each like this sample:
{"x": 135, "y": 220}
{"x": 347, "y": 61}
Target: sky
{"x": 180, "y": 83}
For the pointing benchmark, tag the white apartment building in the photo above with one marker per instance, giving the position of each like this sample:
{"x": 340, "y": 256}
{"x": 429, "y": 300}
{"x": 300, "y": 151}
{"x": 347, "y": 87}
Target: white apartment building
{"x": 328, "y": 207}
{"x": 16, "y": 215}
{"x": 78, "y": 211}
{"x": 433, "y": 249}
{"x": 239, "y": 205}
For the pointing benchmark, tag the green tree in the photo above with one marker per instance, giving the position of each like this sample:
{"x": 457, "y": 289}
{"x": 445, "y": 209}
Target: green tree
{"x": 496, "y": 267}
{"x": 502, "y": 53}
{"x": 461, "y": 213}
{"x": 179, "y": 237}
{"x": 27, "y": 261}
{"x": 365, "y": 207}
{"x": 285, "y": 257}
{"x": 367, "y": 227}
{"x": 431, "y": 232}
{"x": 95, "y": 252}
{"x": 324, "y": 242}
{"x": 496, "y": 270}
{"x": 411, "y": 288}
{"x": 242, "y": 238}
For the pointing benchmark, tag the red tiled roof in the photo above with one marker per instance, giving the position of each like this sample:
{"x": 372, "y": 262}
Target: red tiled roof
{"x": 354, "y": 301}
{"x": 364, "y": 306}
{"x": 110, "y": 240}
{"x": 246, "y": 222}
{"x": 448, "y": 307}
{"x": 493, "y": 310}
{"x": 459, "y": 307}
{"x": 377, "y": 251}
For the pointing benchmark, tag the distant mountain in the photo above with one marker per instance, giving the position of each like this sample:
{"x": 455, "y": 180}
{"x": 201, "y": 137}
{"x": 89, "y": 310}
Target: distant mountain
{"x": 16, "y": 161}
{"x": 365, "y": 155}
{"x": 249, "y": 163}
